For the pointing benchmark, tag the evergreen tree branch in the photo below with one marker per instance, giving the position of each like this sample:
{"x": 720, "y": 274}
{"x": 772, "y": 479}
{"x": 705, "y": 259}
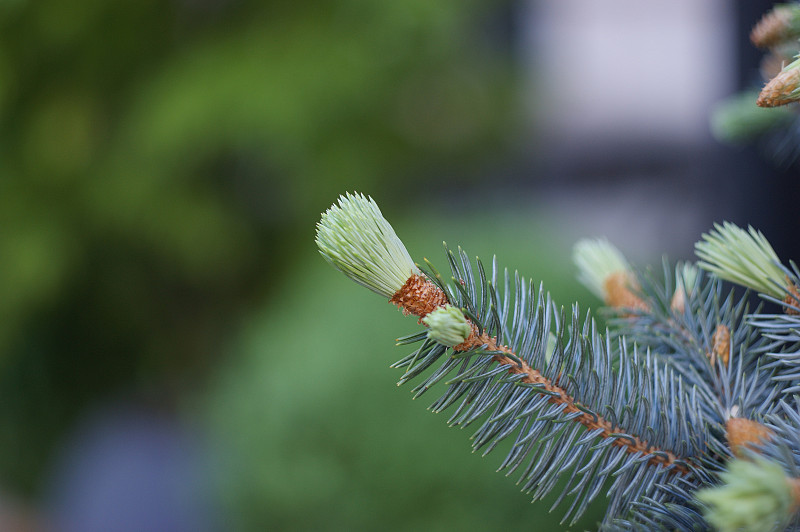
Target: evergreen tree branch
{"x": 650, "y": 414}
{"x": 419, "y": 297}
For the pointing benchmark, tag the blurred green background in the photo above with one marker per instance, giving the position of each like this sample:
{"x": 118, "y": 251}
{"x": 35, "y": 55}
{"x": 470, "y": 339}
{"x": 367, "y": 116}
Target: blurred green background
{"x": 162, "y": 167}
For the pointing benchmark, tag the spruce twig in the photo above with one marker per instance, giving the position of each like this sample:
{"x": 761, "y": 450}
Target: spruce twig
{"x": 689, "y": 379}
{"x": 514, "y": 362}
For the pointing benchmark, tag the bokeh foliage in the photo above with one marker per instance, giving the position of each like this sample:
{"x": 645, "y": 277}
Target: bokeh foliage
{"x": 159, "y": 160}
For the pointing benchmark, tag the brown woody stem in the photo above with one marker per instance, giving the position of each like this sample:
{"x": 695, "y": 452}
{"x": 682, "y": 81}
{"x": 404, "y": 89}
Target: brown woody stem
{"x": 419, "y": 296}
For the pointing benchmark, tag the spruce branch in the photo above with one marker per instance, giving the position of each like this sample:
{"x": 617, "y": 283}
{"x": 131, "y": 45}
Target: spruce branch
{"x": 510, "y": 372}
{"x": 688, "y": 380}
{"x": 712, "y": 345}
{"x": 428, "y": 295}
{"x": 555, "y": 394}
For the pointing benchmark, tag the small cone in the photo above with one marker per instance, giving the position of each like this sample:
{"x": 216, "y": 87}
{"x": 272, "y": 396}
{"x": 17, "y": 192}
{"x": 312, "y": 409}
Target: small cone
{"x": 781, "y": 90}
{"x": 745, "y": 434}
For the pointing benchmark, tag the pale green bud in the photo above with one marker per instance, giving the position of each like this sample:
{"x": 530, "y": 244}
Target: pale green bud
{"x": 448, "y": 326}
{"x": 358, "y": 241}
{"x": 742, "y": 257}
{"x": 685, "y": 279}
{"x": 686, "y": 276}
{"x": 596, "y": 260}
{"x": 755, "y": 496}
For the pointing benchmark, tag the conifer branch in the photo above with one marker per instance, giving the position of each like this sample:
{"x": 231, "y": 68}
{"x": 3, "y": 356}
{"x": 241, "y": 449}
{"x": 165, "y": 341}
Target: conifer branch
{"x": 420, "y": 297}
{"x": 532, "y": 373}
{"x": 689, "y": 380}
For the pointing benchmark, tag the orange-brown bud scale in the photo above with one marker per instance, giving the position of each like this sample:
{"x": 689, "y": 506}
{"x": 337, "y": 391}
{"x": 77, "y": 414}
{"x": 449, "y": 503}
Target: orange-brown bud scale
{"x": 432, "y": 297}
{"x": 792, "y": 298}
{"x": 419, "y": 296}
{"x": 780, "y": 89}
{"x": 619, "y": 289}
{"x": 722, "y": 345}
{"x": 773, "y": 28}
{"x": 745, "y": 434}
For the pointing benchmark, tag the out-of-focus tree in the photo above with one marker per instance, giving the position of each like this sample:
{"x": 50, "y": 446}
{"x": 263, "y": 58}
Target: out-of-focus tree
{"x": 157, "y": 159}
